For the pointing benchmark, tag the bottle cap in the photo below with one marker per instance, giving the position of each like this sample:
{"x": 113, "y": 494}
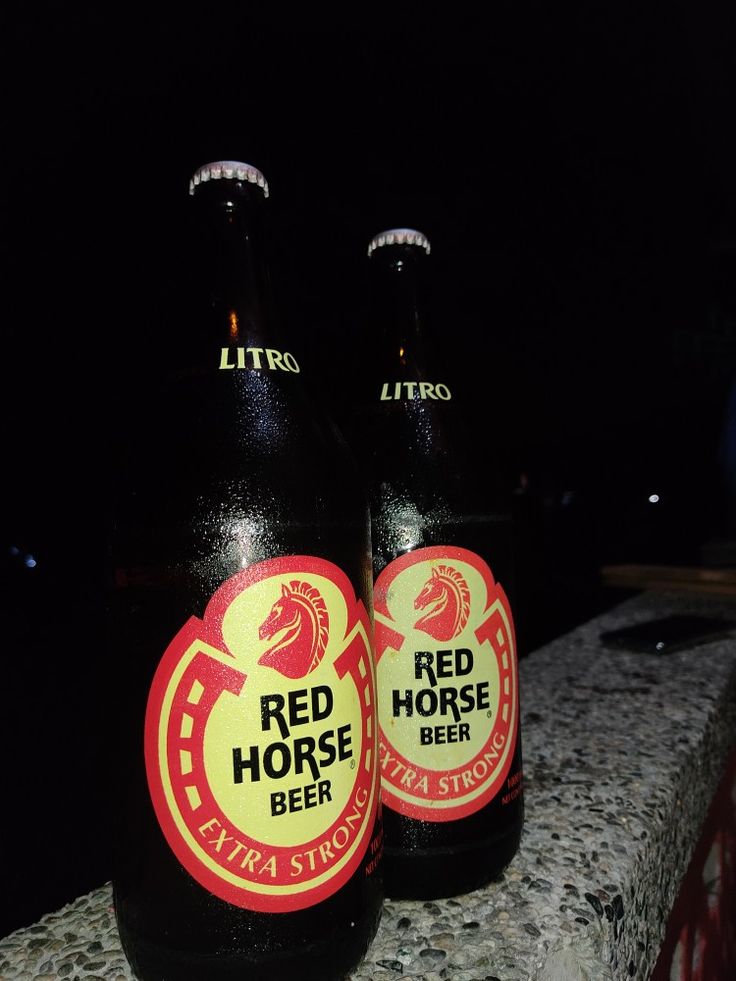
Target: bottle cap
{"x": 399, "y": 236}
{"x": 233, "y": 170}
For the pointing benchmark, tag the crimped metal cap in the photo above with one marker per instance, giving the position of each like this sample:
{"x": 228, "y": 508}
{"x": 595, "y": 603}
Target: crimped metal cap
{"x": 233, "y": 170}
{"x": 399, "y": 236}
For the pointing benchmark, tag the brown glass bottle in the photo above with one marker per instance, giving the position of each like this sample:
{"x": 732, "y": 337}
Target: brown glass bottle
{"x": 249, "y": 840}
{"x": 443, "y": 561}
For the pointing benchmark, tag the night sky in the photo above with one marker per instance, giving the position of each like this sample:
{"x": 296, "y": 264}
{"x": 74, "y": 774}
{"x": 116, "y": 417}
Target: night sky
{"x": 575, "y": 172}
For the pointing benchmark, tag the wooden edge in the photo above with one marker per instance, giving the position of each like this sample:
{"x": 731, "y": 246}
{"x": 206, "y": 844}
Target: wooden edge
{"x": 685, "y": 578}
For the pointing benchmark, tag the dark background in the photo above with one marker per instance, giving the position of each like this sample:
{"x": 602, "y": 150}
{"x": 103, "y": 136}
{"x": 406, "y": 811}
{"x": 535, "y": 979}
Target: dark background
{"x": 575, "y": 171}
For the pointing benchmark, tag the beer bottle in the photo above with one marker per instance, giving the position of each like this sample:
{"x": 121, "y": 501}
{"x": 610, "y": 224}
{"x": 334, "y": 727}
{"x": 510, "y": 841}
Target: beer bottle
{"x": 442, "y": 539}
{"x": 250, "y": 838}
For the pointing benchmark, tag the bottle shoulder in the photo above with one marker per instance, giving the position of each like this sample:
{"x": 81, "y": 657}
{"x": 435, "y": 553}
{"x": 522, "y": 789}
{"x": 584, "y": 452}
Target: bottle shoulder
{"x": 429, "y": 462}
{"x": 208, "y": 432}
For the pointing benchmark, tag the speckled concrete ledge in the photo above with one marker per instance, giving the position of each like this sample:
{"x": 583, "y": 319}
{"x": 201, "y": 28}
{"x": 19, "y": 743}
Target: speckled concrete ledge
{"x": 622, "y": 755}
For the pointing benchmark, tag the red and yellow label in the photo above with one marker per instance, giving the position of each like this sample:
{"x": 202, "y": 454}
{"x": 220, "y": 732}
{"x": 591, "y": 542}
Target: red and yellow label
{"x": 447, "y": 682}
{"x": 261, "y": 742}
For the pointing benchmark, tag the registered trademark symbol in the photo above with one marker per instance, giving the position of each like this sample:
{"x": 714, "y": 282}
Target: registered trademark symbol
{"x": 352, "y": 764}
{"x": 489, "y": 713}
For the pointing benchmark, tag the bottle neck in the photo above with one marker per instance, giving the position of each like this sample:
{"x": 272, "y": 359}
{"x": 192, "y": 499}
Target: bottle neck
{"x": 231, "y": 263}
{"x": 407, "y": 389}
{"x": 397, "y": 302}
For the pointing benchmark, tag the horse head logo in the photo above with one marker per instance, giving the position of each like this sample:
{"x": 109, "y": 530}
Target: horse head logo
{"x": 446, "y": 598}
{"x": 299, "y": 622}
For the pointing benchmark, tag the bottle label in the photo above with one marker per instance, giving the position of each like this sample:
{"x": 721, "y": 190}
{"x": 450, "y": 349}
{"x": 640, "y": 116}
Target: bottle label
{"x": 261, "y": 737}
{"x": 447, "y": 682}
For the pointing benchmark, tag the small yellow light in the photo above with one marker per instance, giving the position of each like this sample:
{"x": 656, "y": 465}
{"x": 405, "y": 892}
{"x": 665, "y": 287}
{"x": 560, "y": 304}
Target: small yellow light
{"x": 234, "y": 328}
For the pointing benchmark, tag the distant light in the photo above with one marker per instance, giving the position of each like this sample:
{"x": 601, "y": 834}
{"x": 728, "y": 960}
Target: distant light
{"x": 653, "y": 498}
{"x": 29, "y": 562}
{"x": 14, "y": 550}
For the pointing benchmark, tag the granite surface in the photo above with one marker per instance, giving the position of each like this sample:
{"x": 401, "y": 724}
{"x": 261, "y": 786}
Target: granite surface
{"x": 622, "y": 755}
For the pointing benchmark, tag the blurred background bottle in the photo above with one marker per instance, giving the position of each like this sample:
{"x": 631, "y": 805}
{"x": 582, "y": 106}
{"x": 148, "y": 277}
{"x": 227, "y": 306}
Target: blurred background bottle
{"x": 443, "y": 563}
{"x": 250, "y": 838}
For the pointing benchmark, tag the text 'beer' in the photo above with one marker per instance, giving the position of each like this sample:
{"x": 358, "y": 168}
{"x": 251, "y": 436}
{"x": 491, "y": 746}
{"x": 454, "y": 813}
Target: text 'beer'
{"x": 250, "y": 831}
